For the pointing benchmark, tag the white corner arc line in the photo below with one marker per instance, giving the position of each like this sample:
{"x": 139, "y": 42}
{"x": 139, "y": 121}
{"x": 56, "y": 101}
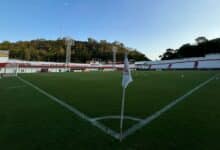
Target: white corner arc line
{"x": 157, "y": 114}
{"x": 74, "y": 110}
{"x": 117, "y": 117}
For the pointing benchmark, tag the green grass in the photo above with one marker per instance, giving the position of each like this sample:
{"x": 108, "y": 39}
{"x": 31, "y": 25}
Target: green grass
{"x": 30, "y": 120}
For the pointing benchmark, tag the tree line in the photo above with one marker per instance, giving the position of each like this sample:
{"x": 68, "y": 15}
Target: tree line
{"x": 82, "y": 51}
{"x": 201, "y": 47}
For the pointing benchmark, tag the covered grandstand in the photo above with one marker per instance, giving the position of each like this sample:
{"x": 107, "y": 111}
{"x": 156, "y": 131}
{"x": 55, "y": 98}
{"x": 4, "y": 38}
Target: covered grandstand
{"x": 211, "y": 61}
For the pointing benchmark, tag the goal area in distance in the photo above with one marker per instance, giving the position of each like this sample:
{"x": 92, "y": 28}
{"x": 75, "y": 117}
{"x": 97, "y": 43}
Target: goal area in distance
{"x": 10, "y": 70}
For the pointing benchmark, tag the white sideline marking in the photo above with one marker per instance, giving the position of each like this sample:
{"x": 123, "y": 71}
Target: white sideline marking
{"x": 16, "y": 87}
{"x": 148, "y": 120}
{"x": 117, "y": 117}
{"x": 74, "y": 110}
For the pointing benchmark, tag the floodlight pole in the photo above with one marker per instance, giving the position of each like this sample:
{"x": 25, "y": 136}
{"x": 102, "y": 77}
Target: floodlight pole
{"x": 114, "y": 51}
{"x": 69, "y": 43}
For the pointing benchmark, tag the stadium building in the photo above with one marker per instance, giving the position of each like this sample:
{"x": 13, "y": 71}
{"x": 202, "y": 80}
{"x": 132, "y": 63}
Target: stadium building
{"x": 7, "y": 66}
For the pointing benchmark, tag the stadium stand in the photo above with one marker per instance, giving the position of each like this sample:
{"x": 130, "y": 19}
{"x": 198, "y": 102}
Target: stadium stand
{"x": 211, "y": 61}
{"x": 159, "y": 66}
{"x": 215, "y": 64}
{"x": 183, "y": 65}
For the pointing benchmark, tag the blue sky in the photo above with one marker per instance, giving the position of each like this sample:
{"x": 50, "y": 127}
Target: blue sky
{"x": 151, "y": 26}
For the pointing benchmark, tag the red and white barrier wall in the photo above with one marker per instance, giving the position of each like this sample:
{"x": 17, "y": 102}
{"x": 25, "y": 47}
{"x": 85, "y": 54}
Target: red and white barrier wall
{"x": 34, "y": 67}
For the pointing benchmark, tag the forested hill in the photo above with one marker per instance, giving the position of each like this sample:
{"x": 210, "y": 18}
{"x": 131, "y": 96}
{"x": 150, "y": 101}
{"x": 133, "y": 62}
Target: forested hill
{"x": 202, "y": 47}
{"x": 54, "y": 50}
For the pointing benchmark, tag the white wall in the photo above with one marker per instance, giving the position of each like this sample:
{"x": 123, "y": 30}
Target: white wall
{"x": 209, "y": 64}
{"x": 161, "y": 66}
{"x": 2, "y": 70}
{"x": 3, "y": 59}
{"x": 37, "y": 69}
{"x": 185, "y": 65}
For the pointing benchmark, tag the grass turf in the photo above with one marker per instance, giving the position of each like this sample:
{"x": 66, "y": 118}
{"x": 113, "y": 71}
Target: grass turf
{"x": 29, "y": 120}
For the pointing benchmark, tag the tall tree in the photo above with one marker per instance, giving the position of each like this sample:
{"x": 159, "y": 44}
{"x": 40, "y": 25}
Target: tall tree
{"x": 203, "y": 47}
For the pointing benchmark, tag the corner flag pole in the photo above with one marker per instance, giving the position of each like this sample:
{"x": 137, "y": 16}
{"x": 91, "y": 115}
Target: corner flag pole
{"x": 125, "y": 81}
{"x": 122, "y": 112}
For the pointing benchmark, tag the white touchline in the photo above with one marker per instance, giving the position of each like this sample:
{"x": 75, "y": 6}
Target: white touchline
{"x": 148, "y": 120}
{"x": 74, "y": 110}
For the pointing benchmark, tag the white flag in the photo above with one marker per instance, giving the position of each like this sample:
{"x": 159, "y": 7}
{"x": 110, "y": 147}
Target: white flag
{"x": 127, "y": 78}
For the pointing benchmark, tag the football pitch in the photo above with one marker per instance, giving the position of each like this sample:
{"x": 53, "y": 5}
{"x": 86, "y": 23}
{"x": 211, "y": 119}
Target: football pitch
{"x": 163, "y": 110}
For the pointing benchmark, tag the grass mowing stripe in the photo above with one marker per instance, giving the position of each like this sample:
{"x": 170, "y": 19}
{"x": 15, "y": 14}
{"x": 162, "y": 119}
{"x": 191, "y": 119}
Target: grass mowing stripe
{"x": 16, "y": 87}
{"x": 74, "y": 110}
{"x": 164, "y": 109}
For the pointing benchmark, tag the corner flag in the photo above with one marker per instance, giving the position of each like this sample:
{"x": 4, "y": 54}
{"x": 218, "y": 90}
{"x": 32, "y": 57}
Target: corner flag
{"x": 125, "y": 81}
{"x": 126, "y": 73}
